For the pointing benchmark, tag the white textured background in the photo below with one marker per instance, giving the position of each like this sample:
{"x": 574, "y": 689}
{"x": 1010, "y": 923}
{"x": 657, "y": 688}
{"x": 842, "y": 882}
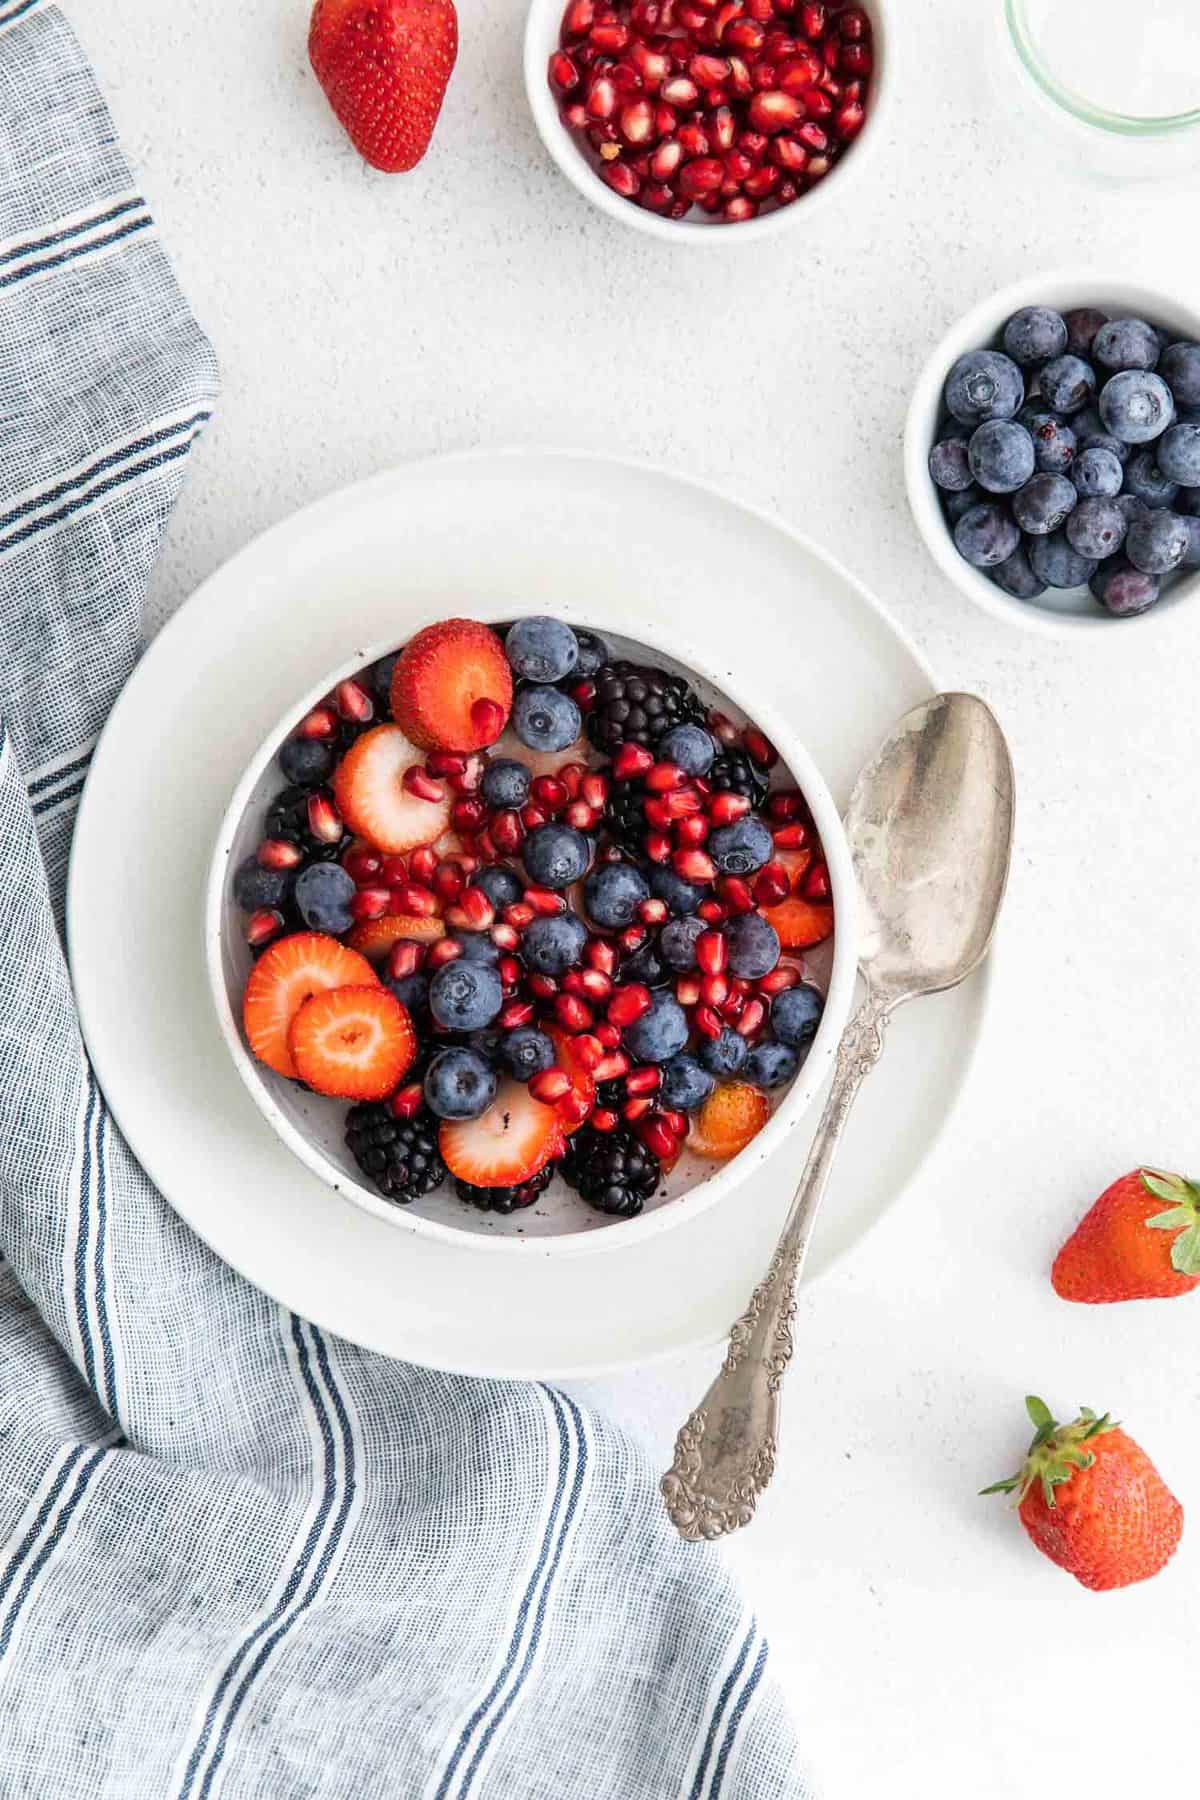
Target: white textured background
{"x": 362, "y": 320}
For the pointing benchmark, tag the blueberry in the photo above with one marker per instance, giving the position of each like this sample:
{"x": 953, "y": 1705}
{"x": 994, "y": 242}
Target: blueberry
{"x": 555, "y": 855}
{"x": 541, "y": 649}
{"x": 753, "y": 944}
{"x": 255, "y": 887}
{"x": 1179, "y": 455}
{"x": 1087, "y": 423}
{"x": 1157, "y": 542}
{"x": 323, "y": 893}
{"x": 724, "y": 1055}
{"x": 1145, "y": 479}
{"x": 306, "y": 761}
{"x": 1130, "y": 507}
{"x": 742, "y": 847}
{"x": 1082, "y": 324}
{"x": 949, "y": 467}
{"x": 689, "y": 747}
{"x": 796, "y": 1013}
{"x": 551, "y": 946}
{"x": 477, "y": 946}
{"x": 1188, "y": 502}
{"x": 677, "y": 942}
{"x": 660, "y": 1033}
{"x": 646, "y": 966}
{"x": 772, "y": 1065}
{"x": 412, "y": 991}
{"x": 956, "y": 505}
{"x": 1043, "y": 503}
{"x": 986, "y": 535}
{"x": 1123, "y": 590}
{"x": 1102, "y": 440}
{"x": 1136, "y": 407}
{"x": 984, "y": 385}
{"x": 1054, "y": 441}
{"x": 1055, "y": 562}
{"x": 502, "y": 885}
{"x": 544, "y": 718}
{"x": 679, "y": 895}
{"x": 593, "y": 653}
{"x": 1179, "y": 366}
{"x": 1068, "y": 384}
{"x": 505, "y": 783}
{"x": 526, "y": 1052}
{"x": 1016, "y": 577}
{"x": 1191, "y": 559}
{"x": 1126, "y": 344}
{"x": 1001, "y": 456}
{"x": 1096, "y": 529}
{"x": 1035, "y": 334}
{"x": 464, "y": 995}
{"x": 613, "y": 893}
{"x": 685, "y": 1084}
{"x": 459, "y": 1084}
{"x": 1097, "y": 472}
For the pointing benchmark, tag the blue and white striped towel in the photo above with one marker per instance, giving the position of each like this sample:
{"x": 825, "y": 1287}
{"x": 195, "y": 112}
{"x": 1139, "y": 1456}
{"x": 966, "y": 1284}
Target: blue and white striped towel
{"x": 236, "y": 1555}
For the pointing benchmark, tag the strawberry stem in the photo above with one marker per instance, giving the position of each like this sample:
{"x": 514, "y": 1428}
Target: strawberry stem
{"x": 1182, "y": 1216}
{"x": 1055, "y": 1452}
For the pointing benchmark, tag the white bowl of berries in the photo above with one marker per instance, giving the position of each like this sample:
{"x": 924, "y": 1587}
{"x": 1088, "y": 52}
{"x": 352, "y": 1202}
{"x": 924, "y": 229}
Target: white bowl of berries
{"x": 678, "y": 116}
{"x": 1052, "y": 453}
{"x": 581, "y": 969}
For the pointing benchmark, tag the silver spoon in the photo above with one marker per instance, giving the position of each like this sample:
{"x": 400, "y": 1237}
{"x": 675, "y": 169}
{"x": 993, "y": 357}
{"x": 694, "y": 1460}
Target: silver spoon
{"x": 930, "y": 828}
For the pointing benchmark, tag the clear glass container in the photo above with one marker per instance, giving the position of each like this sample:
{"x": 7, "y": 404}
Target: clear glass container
{"x": 1116, "y": 83}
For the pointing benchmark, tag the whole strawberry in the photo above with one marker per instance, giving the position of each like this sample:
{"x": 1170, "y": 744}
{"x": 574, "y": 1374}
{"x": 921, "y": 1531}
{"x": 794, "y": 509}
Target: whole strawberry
{"x": 1128, "y": 1248}
{"x": 1092, "y": 1501}
{"x": 384, "y": 66}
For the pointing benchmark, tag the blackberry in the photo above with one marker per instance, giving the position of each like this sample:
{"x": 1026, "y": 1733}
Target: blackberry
{"x": 611, "y": 1170}
{"x": 398, "y": 1156}
{"x": 506, "y": 1199}
{"x": 288, "y": 818}
{"x": 637, "y": 705}
{"x": 625, "y": 815}
{"x": 736, "y": 772}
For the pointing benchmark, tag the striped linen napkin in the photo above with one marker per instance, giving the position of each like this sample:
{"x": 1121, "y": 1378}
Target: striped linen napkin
{"x": 238, "y": 1556}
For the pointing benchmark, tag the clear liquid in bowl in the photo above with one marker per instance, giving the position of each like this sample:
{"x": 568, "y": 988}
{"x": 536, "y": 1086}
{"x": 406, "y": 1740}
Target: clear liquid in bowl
{"x": 1141, "y": 61}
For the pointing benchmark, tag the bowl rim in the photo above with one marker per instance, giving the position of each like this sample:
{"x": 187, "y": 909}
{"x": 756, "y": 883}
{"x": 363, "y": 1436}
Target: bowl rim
{"x": 974, "y": 329}
{"x": 540, "y": 30}
{"x": 724, "y": 1178}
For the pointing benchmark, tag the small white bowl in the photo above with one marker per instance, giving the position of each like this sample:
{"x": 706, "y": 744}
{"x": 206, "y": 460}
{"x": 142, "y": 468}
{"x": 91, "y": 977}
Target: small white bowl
{"x": 541, "y": 40}
{"x": 558, "y": 1223}
{"x": 1055, "y": 614}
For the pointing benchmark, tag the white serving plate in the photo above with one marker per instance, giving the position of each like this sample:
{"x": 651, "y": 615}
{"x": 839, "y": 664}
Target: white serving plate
{"x": 520, "y": 530}
{"x": 313, "y": 1128}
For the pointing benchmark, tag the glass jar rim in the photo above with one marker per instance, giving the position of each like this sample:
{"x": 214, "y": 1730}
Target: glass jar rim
{"x": 1122, "y": 124}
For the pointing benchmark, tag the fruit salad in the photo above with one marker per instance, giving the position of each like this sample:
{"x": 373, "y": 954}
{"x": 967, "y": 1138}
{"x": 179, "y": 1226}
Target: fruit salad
{"x": 530, "y": 906}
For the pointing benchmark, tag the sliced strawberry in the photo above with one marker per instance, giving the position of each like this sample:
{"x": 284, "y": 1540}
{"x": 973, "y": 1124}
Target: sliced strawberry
{"x": 452, "y": 688}
{"x": 730, "y": 1117}
{"x": 800, "y": 923}
{"x": 583, "y": 1087}
{"x": 508, "y": 1144}
{"x": 354, "y": 1042}
{"x": 375, "y": 937}
{"x": 796, "y": 862}
{"x": 283, "y": 978}
{"x": 368, "y": 785}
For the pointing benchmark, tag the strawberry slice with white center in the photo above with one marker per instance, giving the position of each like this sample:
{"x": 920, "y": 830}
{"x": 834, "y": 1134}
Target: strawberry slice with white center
{"x": 507, "y": 1145}
{"x": 375, "y": 937}
{"x": 353, "y": 1042}
{"x": 368, "y": 785}
{"x": 283, "y": 978}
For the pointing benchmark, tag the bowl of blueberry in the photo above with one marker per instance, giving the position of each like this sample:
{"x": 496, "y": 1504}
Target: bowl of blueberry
{"x": 1052, "y": 453}
{"x": 521, "y": 930}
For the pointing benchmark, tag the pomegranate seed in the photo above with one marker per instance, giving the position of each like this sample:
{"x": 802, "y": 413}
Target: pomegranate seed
{"x": 665, "y": 776}
{"x": 604, "y": 1119}
{"x": 408, "y": 1101}
{"x": 707, "y": 1022}
{"x": 544, "y": 901}
{"x": 681, "y": 803}
{"x": 737, "y": 166}
{"x": 446, "y": 950}
{"x": 466, "y": 815}
{"x": 321, "y": 722}
{"x": 708, "y": 71}
{"x": 262, "y": 926}
{"x": 549, "y": 1085}
{"x": 701, "y": 177}
{"x": 643, "y": 1080}
{"x": 741, "y": 83}
{"x": 692, "y": 18}
{"x": 636, "y": 122}
{"x": 687, "y": 990}
{"x": 574, "y": 1108}
{"x": 712, "y": 952}
{"x": 518, "y": 915}
{"x": 474, "y": 912}
{"x": 278, "y": 853}
{"x": 507, "y": 831}
{"x": 611, "y": 1067}
{"x": 723, "y": 809}
{"x": 636, "y": 1109}
{"x": 404, "y": 958}
{"x": 724, "y": 18}
{"x": 745, "y": 34}
{"x": 629, "y": 1003}
{"x": 721, "y": 727}
{"x": 735, "y": 894}
{"x": 370, "y": 902}
{"x": 610, "y": 38}
{"x": 817, "y": 167}
{"x": 509, "y": 971}
{"x": 814, "y": 137}
{"x": 608, "y": 1034}
{"x": 849, "y": 119}
{"x": 653, "y": 912}
{"x": 582, "y": 816}
{"x": 764, "y": 181}
{"x": 694, "y": 865}
{"x": 467, "y": 779}
{"x": 657, "y": 197}
{"x": 445, "y": 762}
{"x": 353, "y": 702}
{"x": 814, "y": 17}
{"x": 856, "y": 59}
{"x": 631, "y": 760}
{"x": 658, "y": 847}
{"x": 579, "y": 18}
{"x": 816, "y": 104}
{"x": 576, "y": 115}
{"x": 692, "y": 140}
{"x": 392, "y": 871}
{"x": 571, "y": 775}
{"x": 691, "y": 831}
{"x": 752, "y": 1018}
{"x": 652, "y": 65}
{"x": 422, "y": 862}
{"x": 488, "y": 719}
{"x": 601, "y": 99}
{"x": 514, "y": 1013}
{"x": 792, "y": 836}
{"x": 762, "y": 10}
{"x": 601, "y": 956}
{"x": 632, "y": 938}
{"x": 798, "y": 72}
{"x": 679, "y": 92}
{"x": 785, "y": 803}
{"x": 361, "y": 863}
{"x": 505, "y": 937}
{"x": 854, "y": 24}
{"x": 412, "y": 897}
{"x": 815, "y": 885}
{"x": 675, "y": 1122}
{"x": 724, "y": 128}
{"x": 549, "y": 793}
{"x": 448, "y": 881}
{"x": 775, "y": 111}
{"x": 544, "y": 986}
{"x": 714, "y": 990}
{"x": 711, "y": 911}
{"x": 593, "y": 985}
{"x": 658, "y": 1138}
{"x": 658, "y": 813}
{"x": 771, "y": 885}
{"x": 732, "y": 1005}
{"x": 781, "y": 977}
{"x": 570, "y": 1011}
{"x": 532, "y": 816}
{"x": 790, "y": 154}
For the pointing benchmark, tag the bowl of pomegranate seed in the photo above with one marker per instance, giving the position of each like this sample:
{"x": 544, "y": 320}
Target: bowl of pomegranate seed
{"x": 523, "y": 929}
{"x": 678, "y": 116}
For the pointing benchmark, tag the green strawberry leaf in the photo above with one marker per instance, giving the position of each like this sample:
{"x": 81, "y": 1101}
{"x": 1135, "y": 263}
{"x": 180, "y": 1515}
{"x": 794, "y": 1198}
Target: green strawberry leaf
{"x": 1002, "y": 1487}
{"x": 1039, "y": 1413}
{"x": 1176, "y": 1218}
{"x": 1172, "y": 1188}
{"x": 1185, "y": 1251}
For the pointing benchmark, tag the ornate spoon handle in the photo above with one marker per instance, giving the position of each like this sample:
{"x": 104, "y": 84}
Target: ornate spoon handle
{"x": 725, "y": 1454}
